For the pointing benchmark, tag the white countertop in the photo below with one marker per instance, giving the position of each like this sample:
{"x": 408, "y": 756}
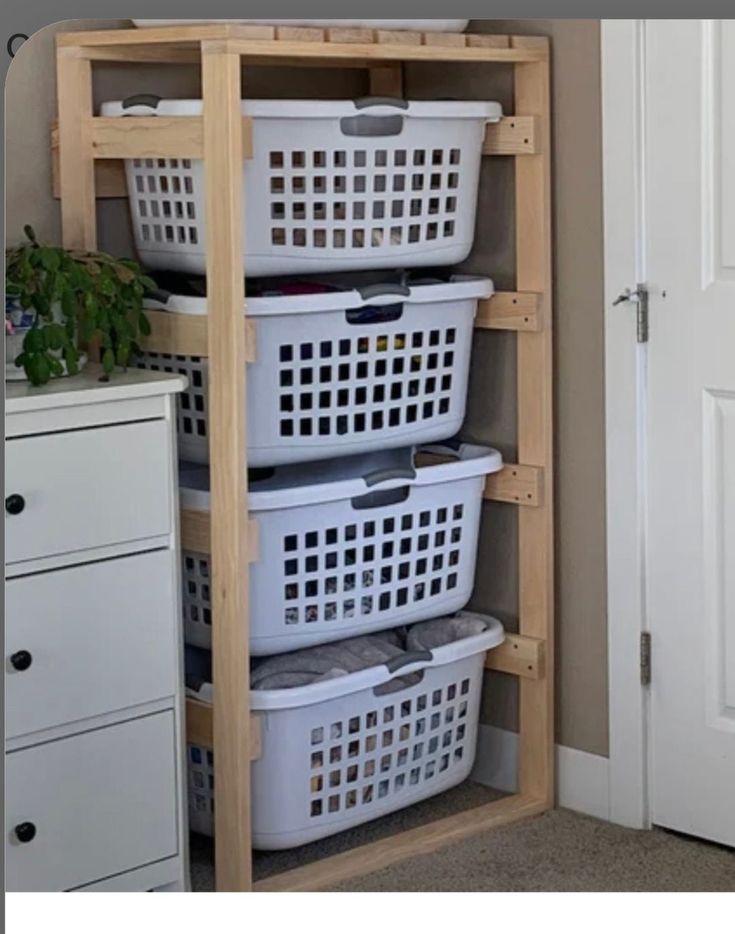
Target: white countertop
{"x": 86, "y": 388}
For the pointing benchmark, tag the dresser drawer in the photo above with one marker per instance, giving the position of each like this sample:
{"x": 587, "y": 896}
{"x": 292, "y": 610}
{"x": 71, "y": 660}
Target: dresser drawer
{"x": 90, "y": 806}
{"x": 76, "y": 490}
{"x": 89, "y": 640}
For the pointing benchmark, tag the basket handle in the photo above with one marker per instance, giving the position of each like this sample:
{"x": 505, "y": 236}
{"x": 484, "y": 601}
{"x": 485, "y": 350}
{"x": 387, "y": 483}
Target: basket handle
{"x": 361, "y": 103}
{"x": 384, "y": 290}
{"x": 409, "y": 663}
{"x": 142, "y": 100}
{"x": 409, "y": 658}
{"x": 386, "y": 474}
{"x": 158, "y": 295}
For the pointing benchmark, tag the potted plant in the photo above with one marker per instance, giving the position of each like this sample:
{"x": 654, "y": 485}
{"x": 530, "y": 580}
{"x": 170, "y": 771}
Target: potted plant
{"x": 57, "y": 300}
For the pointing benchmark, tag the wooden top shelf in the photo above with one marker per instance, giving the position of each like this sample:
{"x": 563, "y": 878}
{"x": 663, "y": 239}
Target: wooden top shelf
{"x": 284, "y": 45}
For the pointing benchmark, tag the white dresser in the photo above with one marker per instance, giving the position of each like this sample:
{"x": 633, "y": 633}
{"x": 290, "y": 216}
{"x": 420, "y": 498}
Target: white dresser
{"x": 94, "y": 752}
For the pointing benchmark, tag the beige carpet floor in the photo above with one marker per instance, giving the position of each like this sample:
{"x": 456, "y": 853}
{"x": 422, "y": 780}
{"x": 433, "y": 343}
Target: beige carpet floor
{"x": 562, "y": 852}
{"x": 559, "y": 851}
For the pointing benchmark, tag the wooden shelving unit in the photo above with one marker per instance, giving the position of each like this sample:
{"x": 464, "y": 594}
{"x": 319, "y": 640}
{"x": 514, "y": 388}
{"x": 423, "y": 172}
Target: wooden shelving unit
{"x": 88, "y": 151}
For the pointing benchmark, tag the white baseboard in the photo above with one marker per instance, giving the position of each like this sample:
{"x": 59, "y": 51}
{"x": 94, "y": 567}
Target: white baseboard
{"x": 582, "y": 779}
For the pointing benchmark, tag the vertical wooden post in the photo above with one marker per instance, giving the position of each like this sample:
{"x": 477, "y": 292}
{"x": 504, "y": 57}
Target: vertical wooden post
{"x": 76, "y": 162}
{"x": 535, "y": 433}
{"x": 223, "y": 166}
{"x": 386, "y": 80}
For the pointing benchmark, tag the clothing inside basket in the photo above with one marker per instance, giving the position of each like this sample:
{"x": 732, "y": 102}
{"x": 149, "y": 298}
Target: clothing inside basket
{"x": 195, "y": 286}
{"x": 336, "y": 659}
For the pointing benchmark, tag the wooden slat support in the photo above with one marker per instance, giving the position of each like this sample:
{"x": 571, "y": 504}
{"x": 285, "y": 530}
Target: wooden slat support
{"x": 535, "y": 428}
{"x": 196, "y": 536}
{"x": 509, "y": 311}
{"x": 519, "y": 655}
{"x": 176, "y": 333}
{"x": 358, "y": 54}
{"x": 76, "y": 165}
{"x": 400, "y": 846}
{"x": 387, "y": 80}
{"x": 516, "y": 483}
{"x": 223, "y": 158}
{"x": 200, "y": 727}
{"x": 512, "y": 136}
{"x": 281, "y": 45}
{"x": 155, "y": 137}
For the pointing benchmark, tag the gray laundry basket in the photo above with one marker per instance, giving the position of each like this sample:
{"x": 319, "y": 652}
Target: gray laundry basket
{"x": 349, "y": 546}
{"x": 341, "y": 752}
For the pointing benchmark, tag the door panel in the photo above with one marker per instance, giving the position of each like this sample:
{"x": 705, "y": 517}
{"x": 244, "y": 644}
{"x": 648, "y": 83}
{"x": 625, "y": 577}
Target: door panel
{"x": 690, "y": 246}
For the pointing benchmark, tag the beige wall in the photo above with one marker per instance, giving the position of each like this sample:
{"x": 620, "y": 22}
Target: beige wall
{"x": 582, "y": 711}
{"x": 581, "y": 624}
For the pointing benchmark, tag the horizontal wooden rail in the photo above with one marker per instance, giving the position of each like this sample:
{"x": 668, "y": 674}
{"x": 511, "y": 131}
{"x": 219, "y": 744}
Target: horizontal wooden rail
{"x": 279, "y": 45}
{"x": 155, "y": 137}
{"x": 512, "y": 136}
{"x": 176, "y": 333}
{"x": 510, "y": 311}
{"x": 519, "y": 655}
{"x": 394, "y": 849}
{"x": 195, "y": 533}
{"x": 200, "y": 727}
{"x": 516, "y": 483}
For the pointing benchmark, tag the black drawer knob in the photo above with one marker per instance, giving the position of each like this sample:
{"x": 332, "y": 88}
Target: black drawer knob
{"x": 14, "y": 504}
{"x": 25, "y": 832}
{"x": 21, "y": 660}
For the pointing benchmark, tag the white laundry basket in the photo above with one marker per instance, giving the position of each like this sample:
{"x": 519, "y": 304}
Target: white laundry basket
{"x": 417, "y": 25}
{"x": 341, "y": 752}
{"x": 340, "y": 373}
{"x": 350, "y": 546}
{"x": 331, "y": 185}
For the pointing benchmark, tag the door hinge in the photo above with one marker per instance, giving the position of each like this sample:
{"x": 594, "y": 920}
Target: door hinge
{"x": 640, "y": 296}
{"x": 645, "y": 658}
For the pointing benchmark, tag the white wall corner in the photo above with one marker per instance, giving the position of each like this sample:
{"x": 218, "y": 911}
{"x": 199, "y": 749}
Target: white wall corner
{"x": 582, "y": 778}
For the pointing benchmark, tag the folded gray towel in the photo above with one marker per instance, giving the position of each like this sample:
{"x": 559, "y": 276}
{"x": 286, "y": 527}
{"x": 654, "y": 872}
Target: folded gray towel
{"x": 442, "y": 631}
{"x": 323, "y": 662}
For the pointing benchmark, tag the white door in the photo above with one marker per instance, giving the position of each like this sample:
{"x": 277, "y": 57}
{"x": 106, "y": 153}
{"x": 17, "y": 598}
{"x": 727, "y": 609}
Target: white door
{"x": 690, "y": 262}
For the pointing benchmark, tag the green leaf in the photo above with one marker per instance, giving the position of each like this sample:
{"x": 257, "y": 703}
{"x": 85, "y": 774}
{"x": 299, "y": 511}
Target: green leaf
{"x": 56, "y": 366}
{"x": 69, "y": 305}
{"x": 43, "y": 369}
{"x": 50, "y": 259}
{"x": 90, "y": 304}
{"x": 144, "y": 325}
{"x": 55, "y": 336}
{"x": 37, "y": 369}
{"x": 34, "y": 341}
{"x": 108, "y": 360}
{"x": 71, "y": 358}
{"x": 123, "y": 354}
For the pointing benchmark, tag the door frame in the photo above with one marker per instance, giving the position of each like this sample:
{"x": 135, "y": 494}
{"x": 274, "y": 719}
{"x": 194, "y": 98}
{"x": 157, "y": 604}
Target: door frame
{"x": 623, "y": 114}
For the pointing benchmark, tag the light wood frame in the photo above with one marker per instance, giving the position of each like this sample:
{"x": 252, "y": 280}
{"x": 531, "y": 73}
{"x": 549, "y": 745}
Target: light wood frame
{"x": 84, "y": 143}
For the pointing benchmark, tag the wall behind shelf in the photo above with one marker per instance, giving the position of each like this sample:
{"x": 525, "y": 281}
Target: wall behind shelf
{"x": 580, "y": 445}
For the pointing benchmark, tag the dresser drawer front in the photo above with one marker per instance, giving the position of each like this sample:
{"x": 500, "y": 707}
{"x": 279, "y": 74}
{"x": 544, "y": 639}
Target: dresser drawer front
{"x": 89, "y": 640}
{"x": 76, "y": 490}
{"x": 95, "y": 804}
